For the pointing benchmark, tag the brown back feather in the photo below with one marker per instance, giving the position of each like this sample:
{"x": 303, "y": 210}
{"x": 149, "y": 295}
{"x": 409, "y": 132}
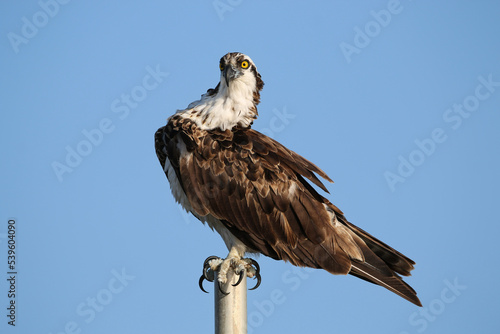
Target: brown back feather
{"x": 272, "y": 208}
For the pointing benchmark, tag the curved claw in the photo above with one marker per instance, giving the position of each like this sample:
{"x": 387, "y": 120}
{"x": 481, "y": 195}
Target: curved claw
{"x": 220, "y": 289}
{"x": 259, "y": 280}
{"x": 205, "y": 273}
{"x": 208, "y": 259}
{"x": 240, "y": 278}
{"x": 205, "y": 276}
{"x": 257, "y": 274}
{"x": 256, "y": 264}
{"x": 200, "y": 282}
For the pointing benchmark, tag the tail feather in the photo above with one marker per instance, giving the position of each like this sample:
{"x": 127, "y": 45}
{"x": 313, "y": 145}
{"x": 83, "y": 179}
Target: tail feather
{"x": 392, "y": 283}
{"x": 367, "y": 258}
{"x": 381, "y": 264}
{"x": 392, "y": 258}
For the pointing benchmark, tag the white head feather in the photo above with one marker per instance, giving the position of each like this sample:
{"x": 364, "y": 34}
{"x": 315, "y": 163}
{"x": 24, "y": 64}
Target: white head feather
{"x": 234, "y": 101}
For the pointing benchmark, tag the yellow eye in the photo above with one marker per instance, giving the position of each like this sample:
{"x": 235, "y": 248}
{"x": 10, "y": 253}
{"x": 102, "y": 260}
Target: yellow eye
{"x": 221, "y": 66}
{"x": 244, "y": 64}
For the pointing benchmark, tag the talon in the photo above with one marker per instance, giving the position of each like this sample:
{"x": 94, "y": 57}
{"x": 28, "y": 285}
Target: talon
{"x": 200, "y": 282}
{"x": 240, "y": 278}
{"x": 207, "y": 275}
{"x": 241, "y": 267}
{"x": 257, "y": 267}
{"x": 208, "y": 259}
{"x": 259, "y": 280}
{"x": 220, "y": 289}
{"x": 257, "y": 274}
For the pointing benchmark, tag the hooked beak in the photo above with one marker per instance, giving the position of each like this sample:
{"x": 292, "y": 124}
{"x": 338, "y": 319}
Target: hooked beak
{"x": 230, "y": 74}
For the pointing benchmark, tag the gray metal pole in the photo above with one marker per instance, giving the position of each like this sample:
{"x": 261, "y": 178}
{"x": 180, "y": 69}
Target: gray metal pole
{"x": 231, "y": 309}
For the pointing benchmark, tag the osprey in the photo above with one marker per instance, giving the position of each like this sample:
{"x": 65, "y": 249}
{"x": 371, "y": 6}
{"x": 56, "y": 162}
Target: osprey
{"x": 256, "y": 193}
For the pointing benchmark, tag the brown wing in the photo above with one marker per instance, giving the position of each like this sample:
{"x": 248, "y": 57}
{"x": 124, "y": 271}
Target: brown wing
{"x": 257, "y": 188}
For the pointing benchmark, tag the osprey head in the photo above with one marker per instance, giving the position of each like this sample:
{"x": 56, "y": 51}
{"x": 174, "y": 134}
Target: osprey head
{"x": 237, "y": 68}
{"x": 239, "y": 76}
{"x": 234, "y": 101}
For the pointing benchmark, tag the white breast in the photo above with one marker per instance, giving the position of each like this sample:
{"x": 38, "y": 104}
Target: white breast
{"x": 230, "y": 107}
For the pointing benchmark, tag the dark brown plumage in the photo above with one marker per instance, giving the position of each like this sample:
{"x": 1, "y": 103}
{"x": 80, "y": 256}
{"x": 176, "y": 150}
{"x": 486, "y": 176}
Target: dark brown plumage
{"x": 256, "y": 187}
{"x": 256, "y": 193}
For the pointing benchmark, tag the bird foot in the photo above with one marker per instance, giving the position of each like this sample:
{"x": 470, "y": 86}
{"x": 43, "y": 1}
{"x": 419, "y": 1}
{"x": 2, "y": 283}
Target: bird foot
{"x": 222, "y": 266}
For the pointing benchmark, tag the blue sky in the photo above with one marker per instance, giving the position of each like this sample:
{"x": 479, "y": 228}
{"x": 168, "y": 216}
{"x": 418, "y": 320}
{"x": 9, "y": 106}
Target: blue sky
{"x": 398, "y": 101}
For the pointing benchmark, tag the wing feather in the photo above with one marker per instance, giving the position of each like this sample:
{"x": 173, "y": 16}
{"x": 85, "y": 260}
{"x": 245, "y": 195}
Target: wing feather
{"x": 258, "y": 189}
